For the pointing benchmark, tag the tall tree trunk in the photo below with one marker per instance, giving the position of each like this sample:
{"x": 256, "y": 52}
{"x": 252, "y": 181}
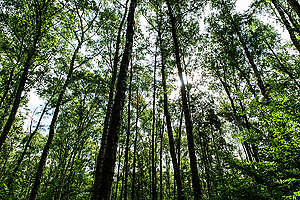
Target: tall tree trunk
{"x": 111, "y": 93}
{"x": 287, "y": 25}
{"x": 105, "y": 164}
{"x": 169, "y": 124}
{"x": 43, "y": 159}
{"x": 186, "y": 110}
{"x": 127, "y": 136}
{"x": 154, "y": 192}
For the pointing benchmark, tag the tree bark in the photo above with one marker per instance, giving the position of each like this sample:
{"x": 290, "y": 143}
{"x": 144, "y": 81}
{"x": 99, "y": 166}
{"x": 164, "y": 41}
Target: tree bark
{"x": 186, "y": 110}
{"x": 179, "y": 139}
{"x": 105, "y": 164}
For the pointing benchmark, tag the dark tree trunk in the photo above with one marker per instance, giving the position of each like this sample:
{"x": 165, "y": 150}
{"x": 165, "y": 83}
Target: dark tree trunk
{"x": 186, "y": 110}
{"x": 43, "y": 159}
{"x": 127, "y": 136}
{"x": 111, "y": 92}
{"x": 105, "y": 164}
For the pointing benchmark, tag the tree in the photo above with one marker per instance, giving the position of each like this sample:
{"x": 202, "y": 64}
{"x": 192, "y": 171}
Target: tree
{"x": 104, "y": 173}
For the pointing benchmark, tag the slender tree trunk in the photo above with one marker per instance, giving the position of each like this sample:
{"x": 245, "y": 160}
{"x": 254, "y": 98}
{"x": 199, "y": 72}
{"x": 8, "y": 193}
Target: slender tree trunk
{"x": 43, "y": 159}
{"x": 295, "y": 5}
{"x": 105, "y": 164}
{"x": 135, "y": 145}
{"x": 186, "y": 110}
{"x": 287, "y": 25}
{"x": 179, "y": 139}
{"x": 154, "y": 192}
{"x": 168, "y": 188}
{"x": 127, "y": 136}
{"x": 169, "y": 125}
{"x": 122, "y": 179}
{"x": 118, "y": 174}
{"x": 150, "y": 168}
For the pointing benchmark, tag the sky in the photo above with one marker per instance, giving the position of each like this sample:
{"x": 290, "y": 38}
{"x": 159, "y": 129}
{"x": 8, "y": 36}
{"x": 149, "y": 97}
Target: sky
{"x": 242, "y": 5}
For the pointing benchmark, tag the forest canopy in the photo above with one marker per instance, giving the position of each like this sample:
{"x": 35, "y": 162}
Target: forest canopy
{"x": 157, "y": 99}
